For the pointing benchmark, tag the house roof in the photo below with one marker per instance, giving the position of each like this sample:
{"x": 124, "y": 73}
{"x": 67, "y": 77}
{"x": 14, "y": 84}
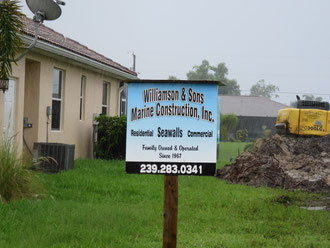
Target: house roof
{"x": 174, "y": 81}
{"x": 52, "y": 37}
{"x": 249, "y": 106}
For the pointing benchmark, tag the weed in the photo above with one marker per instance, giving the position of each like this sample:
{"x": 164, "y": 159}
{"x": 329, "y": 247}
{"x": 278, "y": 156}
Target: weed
{"x": 16, "y": 178}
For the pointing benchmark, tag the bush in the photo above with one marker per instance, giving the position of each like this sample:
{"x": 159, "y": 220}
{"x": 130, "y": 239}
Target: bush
{"x": 266, "y": 132}
{"x": 111, "y": 137}
{"x": 17, "y": 180}
{"x": 228, "y": 123}
{"x": 249, "y": 147}
{"x": 223, "y": 133}
{"x": 242, "y": 135}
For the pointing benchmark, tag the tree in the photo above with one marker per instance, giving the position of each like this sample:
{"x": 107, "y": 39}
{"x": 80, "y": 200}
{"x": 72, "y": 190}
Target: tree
{"x": 10, "y": 25}
{"x": 201, "y": 72}
{"x": 172, "y": 78}
{"x": 311, "y": 97}
{"x": 231, "y": 88}
{"x": 263, "y": 89}
{"x": 205, "y": 71}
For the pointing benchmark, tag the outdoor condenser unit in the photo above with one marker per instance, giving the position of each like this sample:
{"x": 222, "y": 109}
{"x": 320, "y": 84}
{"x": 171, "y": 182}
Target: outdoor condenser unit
{"x": 53, "y": 157}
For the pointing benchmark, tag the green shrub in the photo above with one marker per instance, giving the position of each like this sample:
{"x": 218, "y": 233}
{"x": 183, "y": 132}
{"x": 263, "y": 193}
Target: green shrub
{"x": 17, "y": 180}
{"x": 249, "y": 147}
{"x": 242, "y": 135}
{"x": 266, "y": 131}
{"x": 111, "y": 137}
{"x": 223, "y": 133}
{"x": 228, "y": 123}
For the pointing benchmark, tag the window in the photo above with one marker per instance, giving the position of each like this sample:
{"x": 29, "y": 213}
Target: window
{"x": 122, "y": 101}
{"x": 57, "y": 99}
{"x": 82, "y": 98}
{"x": 105, "y": 98}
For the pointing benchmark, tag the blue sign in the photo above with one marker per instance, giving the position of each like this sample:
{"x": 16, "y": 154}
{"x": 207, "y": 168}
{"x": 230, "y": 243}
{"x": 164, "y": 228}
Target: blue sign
{"x": 172, "y": 128}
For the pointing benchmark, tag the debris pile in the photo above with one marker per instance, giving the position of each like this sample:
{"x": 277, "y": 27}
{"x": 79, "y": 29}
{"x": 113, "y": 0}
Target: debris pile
{"x": 283, "y": 161}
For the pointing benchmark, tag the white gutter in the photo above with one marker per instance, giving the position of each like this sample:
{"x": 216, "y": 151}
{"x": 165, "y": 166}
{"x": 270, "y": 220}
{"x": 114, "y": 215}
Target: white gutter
{"x": 76, "y": 57}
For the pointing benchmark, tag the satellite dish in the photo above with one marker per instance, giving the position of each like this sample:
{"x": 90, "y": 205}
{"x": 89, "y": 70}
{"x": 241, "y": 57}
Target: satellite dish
{"x": 44, "y": 9}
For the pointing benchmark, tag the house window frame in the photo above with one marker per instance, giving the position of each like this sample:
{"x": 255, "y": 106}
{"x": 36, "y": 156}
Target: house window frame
{"x": 123, "y": 87}
{"x": 61, "y": 84}
{"x": 105, "y": 104}
{"x": 82, "y": 98}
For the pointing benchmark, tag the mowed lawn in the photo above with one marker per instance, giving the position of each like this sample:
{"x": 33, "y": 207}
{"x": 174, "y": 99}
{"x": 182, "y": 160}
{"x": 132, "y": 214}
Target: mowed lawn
{"x": 98, "y": 205}
{"x": 229, "y": 151}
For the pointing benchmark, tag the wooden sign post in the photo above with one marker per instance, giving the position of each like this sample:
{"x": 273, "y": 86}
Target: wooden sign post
{"x": 170, "y": 211}
{"x": 172, "y": 129}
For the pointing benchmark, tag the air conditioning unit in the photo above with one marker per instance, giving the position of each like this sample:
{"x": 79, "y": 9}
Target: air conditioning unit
{"x": 53, "y": 157}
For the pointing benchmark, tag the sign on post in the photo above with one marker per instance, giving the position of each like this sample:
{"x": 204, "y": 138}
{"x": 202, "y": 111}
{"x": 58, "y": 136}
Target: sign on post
{"x": 172, "y": 127}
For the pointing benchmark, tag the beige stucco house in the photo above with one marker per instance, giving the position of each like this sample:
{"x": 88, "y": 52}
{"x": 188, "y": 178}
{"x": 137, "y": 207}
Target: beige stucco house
{"x": 59, "y": 86}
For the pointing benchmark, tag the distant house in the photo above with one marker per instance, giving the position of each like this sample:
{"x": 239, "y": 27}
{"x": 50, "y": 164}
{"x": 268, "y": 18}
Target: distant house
{"x": 69, "y": 81}
{"x": 254, "y": 113}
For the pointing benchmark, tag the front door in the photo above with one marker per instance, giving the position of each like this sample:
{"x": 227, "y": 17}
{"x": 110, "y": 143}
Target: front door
{"x": 9, "y": 112}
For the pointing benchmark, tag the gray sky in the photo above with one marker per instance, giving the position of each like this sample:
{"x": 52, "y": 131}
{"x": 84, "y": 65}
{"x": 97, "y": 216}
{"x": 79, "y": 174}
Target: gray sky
{"x": 284, "y": 42}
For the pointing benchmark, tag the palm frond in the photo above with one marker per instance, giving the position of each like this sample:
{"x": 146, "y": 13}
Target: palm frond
{"x": 11, "y": 25}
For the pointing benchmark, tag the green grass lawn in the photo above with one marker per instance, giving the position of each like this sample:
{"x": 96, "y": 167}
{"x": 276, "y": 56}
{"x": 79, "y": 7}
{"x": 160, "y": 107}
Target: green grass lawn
{"x": 98, "y": 205}
{"x": 229, "y": 150}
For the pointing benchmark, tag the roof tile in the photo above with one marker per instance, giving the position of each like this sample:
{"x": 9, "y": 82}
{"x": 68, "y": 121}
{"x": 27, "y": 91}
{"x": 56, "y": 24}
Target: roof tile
{"x": 55, "y": 38}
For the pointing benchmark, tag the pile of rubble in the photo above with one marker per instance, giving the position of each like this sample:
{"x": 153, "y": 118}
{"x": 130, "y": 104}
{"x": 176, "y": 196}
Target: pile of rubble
{"x": 284, "y": 161}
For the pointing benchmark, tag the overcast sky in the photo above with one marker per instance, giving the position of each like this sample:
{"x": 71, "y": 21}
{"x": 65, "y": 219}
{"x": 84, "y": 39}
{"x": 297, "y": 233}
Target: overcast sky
{"x": 284, "y": 42}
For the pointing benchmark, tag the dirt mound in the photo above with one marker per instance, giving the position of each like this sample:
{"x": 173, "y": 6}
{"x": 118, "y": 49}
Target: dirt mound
{"x": 284, "y": 162}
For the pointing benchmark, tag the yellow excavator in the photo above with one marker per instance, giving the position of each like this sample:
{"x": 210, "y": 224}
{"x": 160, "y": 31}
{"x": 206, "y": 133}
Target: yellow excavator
{"x": 308, "y": 118}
